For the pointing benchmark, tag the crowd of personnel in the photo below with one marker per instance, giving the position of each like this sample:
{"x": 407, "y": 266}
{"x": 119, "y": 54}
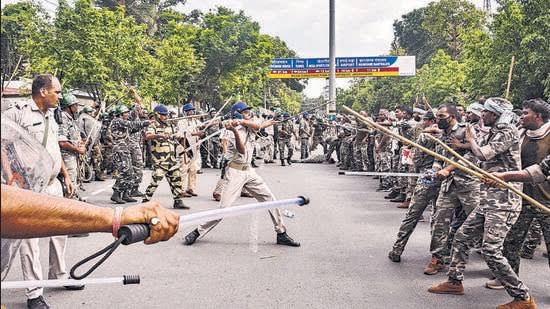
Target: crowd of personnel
{"x": 466, "y": 212}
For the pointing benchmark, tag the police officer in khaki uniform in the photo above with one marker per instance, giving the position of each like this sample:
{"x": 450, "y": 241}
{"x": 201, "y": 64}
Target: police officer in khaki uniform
{"x": 36, "y": 117}
{"x": 241, "y": 175}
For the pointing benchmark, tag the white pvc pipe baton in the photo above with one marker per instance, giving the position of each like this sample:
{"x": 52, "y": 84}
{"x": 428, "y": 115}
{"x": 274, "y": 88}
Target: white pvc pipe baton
{"x": 68, "y": 282}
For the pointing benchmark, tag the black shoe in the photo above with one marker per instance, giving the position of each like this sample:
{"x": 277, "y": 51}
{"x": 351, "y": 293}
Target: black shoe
{"x": 392, "y": 195}
{"x": 253, "y": 164}
{"x": 117, "y": 198}
{"x": 127, "y": 198}
{"x": 381, "y": 188}
{"x": 99, "y": 178}
{"x": 191, "y": 237}
{"x": 285, "y": 240}
{"x": 37, "y": 303}
{"x": 178, "y": 204}
{"x": 283, "y": 162}
{"x": 376, "y": 177}
{"x": 394, "y": 257}
{"x": 399, "y": 199}
{"x": 136, "y": 193}
{"x": 74, "y": 287}
{"x": 288, "y": 161}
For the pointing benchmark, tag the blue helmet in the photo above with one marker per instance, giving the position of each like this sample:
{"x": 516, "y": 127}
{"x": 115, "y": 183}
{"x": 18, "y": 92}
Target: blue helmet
{"x": 188, "y": 107}
{"x": 286, "y": 115}
{"x": 161, "y": 109}
{"x": 239, "y": 107}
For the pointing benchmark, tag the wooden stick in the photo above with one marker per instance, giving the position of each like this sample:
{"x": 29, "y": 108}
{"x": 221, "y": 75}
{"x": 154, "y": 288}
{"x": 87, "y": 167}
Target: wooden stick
{"x": 509, "y": 78}
{"x": 489, "y": 175}
{"x": 447, "y": 160}
{"x": 12, "y": 76}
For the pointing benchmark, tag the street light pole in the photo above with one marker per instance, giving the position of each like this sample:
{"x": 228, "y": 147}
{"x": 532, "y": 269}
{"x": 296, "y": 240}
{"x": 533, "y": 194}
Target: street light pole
{"x": 332, "y": 56}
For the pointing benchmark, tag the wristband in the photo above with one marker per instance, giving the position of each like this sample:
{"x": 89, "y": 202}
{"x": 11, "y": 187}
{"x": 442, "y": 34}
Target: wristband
{"x": 117, "y": 217}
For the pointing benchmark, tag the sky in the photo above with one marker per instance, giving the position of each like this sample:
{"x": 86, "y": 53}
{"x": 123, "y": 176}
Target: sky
{"x": 363, "y": 27}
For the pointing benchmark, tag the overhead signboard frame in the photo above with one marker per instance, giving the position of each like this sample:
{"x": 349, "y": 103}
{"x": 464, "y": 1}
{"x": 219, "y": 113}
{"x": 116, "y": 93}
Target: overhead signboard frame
{"x": 346, "y": 67}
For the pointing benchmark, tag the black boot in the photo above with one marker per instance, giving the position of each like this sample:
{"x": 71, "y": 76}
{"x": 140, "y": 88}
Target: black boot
{"x": 191, "y": 237}
{"x": 135, "y": 192}
{"x": 288, "y": 161}
{"x": 283, "y": 162}
{"x": 126, "y": 196}
{"x": 285, "y": 240}
{"x": 178, "y": 204}
{"x": 400, "y": 198}
{"x": 394, "y": 257}
{"x": 117, "y": 198}
{"x": 253, "y": 164}
{"x": 393, "y": 194}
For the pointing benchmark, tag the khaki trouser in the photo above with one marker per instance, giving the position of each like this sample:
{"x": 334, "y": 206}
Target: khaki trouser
{"x": 189, "y": 174}
{"x": 255, "y": 185}
{"x": 30, "y": 254}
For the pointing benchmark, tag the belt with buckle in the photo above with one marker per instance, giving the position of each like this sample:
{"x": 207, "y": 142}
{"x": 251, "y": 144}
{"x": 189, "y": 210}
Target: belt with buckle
{"x": 238, "y": 166}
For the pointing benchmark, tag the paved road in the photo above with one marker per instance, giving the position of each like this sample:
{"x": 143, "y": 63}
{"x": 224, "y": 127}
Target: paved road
{"x": 345, "y": 232}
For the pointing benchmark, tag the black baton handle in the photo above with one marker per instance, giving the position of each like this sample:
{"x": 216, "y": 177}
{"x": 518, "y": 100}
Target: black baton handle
{"x": 133, "y": 233}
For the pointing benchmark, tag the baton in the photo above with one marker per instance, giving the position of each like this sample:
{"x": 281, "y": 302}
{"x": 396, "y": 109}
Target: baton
{"x": 132, "y": 233}
{"x": 381, "y": 174}
{"x": 125, "y": 280}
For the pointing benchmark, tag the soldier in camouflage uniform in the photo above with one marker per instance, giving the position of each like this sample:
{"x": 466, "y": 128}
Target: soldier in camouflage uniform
{"x": 136, "y": 149}
{"x": 88, "y": 128}
{"x": 535, "y": 147}
{"x": 163, "y": 150}
{"x": 106, "y": 143}
{"x": 458, "y": 189}
{"x": 285, "y": 130}
{"x": 383, "y": 151}
{"x": 426, "y": 189}
{"x": 121, "y": 128}
{"x": 69, "y": 137}
{"x": 498, "y": 210}
{"x": 405, "y": 128}
{"x": 318, "y": 129}
{"x": 304, "y": 131}
{"x": 360, "y": 142}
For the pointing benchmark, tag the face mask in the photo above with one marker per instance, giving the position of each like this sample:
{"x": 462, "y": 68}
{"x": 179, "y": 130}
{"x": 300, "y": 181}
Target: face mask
{"x": 443, "y": 124}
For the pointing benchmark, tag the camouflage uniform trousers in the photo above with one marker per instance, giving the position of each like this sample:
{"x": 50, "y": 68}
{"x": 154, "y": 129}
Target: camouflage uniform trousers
{"x": 71, "y": 164}
{"x": 97, "y": 160}
{"x": 533, "y": 239}
{"x": 316, "y": 141}
{"x": 358, "y": 157}
{"x": 304, "y": 147}
{"x": 394, "y": 167}
{"x": 137, "y": 162}
{"x": 333, "y": 146}
{"x": 107, "y": 159}
{"x": 364, "y": 165}
{"x": 424, "y": 195}
{"x": 491, "y": 221}
{"x": 122, "y": 170}
{"x": 514, "y": 241}
{"x": 285, "y": 143}
{"x": 213, "y": 151}
{"x": 173, "y": 176}
{"x": 346, "y": 153}
{"x": 447, "y": 201}
{"x": 384, "y": 166}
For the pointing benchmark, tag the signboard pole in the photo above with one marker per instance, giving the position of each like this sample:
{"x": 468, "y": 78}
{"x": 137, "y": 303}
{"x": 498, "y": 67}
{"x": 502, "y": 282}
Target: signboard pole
{"x": 332, "y": 56}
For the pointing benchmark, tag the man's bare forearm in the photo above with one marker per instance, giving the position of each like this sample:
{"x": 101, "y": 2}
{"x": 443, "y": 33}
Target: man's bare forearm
{"x": 27, "y": 214}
